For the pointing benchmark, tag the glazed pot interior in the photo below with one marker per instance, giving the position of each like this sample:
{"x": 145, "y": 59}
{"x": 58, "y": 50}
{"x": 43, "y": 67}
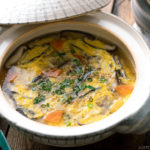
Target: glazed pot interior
{"x": 17, "y": 119}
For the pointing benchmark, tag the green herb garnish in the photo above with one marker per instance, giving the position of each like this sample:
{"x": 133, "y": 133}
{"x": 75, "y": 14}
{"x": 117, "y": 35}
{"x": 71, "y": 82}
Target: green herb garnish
{"x": 102, "y": 80}
{"x": 61, "y": 54}
{"x": 39, "y": 99}
{"x": 91, "y": 87}
{"x": 83, "y": 86}
{"x": 43, "y": 105}
{"x": 90, "y": 79}
{"x": 45, "y": 85}
{"x": 77, "y": 62}
{"x": 76, "y": 89}
{"x": 68, "y": 82}
{"x": 79, "y": 70}
{"x": 90, "y": 105}
{"x": 68, "y": 123}
{"x": 72, "y": 51}
{"x": 67, "y": 98}
{"x": 59, "y": 91}
{"x": 47, "y": 105}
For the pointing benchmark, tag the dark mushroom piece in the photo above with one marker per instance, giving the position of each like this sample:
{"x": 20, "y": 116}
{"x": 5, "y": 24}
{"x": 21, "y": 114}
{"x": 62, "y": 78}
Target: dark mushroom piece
{"x": 120, "y": 73}
{"x": 15, "y": 56}
{"x": 107, "y": 47}
{"x": 37, "y": 78}
{"x": 72, "y": 33}
{"x": 20, "y": 110}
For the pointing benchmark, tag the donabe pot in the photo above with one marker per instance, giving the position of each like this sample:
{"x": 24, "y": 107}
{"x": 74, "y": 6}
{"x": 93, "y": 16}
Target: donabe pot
{"x": 133, "y": 116}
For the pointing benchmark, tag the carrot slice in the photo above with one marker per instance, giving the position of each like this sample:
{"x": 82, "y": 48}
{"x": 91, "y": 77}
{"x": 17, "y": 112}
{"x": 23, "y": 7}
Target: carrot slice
{"x": 57, "y": 44}
{"x": 54, "y": 117}
{"x": 124, "y": 90}
{"x": 53, "y": 73}
{"x": 12, "y": 77}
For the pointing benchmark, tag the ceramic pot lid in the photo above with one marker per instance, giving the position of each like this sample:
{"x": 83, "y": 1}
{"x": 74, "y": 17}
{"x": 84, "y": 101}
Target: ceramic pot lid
{"x": 34, "y": 11}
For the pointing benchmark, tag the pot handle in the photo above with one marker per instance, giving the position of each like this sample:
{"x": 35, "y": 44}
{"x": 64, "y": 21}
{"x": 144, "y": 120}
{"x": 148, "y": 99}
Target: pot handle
{"x": 138, "y": 123}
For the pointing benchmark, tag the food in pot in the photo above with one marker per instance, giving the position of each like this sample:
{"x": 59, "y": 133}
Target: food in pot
{"x": 68, "y": 78}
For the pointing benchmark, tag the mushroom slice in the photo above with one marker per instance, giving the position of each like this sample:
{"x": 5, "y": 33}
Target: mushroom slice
{"x": 14, "y": 58}
{"x": 97, "y": 44}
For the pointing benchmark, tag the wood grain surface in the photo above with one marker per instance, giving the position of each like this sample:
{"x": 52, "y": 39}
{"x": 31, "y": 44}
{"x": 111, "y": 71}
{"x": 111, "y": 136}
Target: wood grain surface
{"x": 18, "y": 141}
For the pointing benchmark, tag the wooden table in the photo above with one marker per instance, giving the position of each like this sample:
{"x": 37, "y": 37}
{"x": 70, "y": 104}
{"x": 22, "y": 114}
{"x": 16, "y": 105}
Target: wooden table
{"x": 17, "y": 141}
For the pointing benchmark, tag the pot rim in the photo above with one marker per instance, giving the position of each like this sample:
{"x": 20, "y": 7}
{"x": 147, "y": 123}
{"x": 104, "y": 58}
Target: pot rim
{"x": 100, "y": 126}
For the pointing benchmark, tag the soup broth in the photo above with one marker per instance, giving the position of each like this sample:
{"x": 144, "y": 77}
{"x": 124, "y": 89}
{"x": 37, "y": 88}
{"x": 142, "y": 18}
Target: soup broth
{"x": 68, "y": 78}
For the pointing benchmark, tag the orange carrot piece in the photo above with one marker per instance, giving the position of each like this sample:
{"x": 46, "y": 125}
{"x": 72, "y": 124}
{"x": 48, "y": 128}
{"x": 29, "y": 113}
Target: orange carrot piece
{"x": 124, "y": 90}
{"x": 57, "y": 44}
{"x": 53, "y": 73}
{"x": 12, "y": 77}
{"x": 54, "y": 117}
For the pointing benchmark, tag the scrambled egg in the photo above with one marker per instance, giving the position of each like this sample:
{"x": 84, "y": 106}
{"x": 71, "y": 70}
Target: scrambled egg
{"x": 70, "y": 72}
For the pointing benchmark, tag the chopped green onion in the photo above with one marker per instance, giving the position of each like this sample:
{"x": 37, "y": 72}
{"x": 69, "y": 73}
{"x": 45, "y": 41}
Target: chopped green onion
{"x": 76, "y": 89}
{"x": 47, "y": 105}
{"x": 68, "y": 123}
{"x": 90, "y": 79}
{"x": 43, "y": 105}
{"x": 61, "y": 54}
{"x": 39, "y": 99}
{"x": 91, "y": 87}
{"x": 76, "y": 61}
{"x": 72, "y": 51}
{"x": 79, "y": 70}
{"x": 59, "y": 92}
{"x": 90, "y": 105}
{"x": 45, "y": 85}
{"x": 73, "y": 73}
{"x": 102, "y": 80}
{"x": 83, "y": 86}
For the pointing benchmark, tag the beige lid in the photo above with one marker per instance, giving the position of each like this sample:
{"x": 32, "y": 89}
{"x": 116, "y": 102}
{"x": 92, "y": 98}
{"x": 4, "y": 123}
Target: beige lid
{"x": 34, "y": 11}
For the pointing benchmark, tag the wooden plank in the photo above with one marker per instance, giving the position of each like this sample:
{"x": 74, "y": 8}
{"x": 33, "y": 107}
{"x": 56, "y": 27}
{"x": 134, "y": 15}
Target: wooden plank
{"x": 122, "y": 8}
{"x": 16, "y": 140}
{"x": 4, "y": 126}
{"x": 109, "y": 7}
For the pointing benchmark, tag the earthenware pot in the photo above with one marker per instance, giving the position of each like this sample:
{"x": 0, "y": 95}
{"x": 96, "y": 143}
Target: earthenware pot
{"x": 132, "y": 117}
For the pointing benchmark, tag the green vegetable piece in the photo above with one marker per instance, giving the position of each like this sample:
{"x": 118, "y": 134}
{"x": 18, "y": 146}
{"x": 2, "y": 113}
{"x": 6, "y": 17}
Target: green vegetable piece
{"x": 91, "y": 87}
{"x": 90, "y": 79}
{"x": 59, "y": 92}
{"x": 73, "y": 73}
{"x": 79, "y": 70}
{"x": 90, "y": 105}
{"x": 45, "y": 85}
{"x": 68, "y": 123}
{"x": 47, "y": 105}
{"x": 83, "y": 86}
{"x": 67, "y": 98}
{"x": 61, "y": 54}
{"x": 43, "y": 105}
{"x": 77, "y": 62}
{"x": 102, "y": 80}
{"x": 72, "y": 51}
{"x": 39, "y": 99}
{"x": 68, "y": 82}
{"x": 76, "y": 89}
{"x": 80, "y": 79}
